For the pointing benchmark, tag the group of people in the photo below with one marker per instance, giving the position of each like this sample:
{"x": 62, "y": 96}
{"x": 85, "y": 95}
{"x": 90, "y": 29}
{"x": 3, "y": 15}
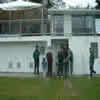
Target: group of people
{"x": 46, "y": 63}
{"x": 64, "y": 61}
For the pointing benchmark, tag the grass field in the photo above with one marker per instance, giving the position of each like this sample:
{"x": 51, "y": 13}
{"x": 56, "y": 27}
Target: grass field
{"x": 52, "y": 89}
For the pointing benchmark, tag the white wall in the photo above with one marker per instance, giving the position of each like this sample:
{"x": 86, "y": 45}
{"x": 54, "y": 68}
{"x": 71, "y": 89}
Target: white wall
{"x": 22, "y": 52}
{"x": 17, "y": 52}
{"x": 80, "y": 47}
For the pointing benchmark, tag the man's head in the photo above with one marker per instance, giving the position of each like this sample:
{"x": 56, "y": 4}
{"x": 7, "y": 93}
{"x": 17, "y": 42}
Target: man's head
{"x": 37, "y": 47}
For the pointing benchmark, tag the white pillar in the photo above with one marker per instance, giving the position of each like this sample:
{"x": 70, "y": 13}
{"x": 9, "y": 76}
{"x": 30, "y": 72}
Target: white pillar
{"x": 67, "y": 24}
{"x": 52, "y": 26}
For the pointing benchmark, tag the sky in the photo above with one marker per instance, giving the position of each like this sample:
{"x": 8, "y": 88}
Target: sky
{"x": 75, "y": 3}
{"x": 81, "y": 3}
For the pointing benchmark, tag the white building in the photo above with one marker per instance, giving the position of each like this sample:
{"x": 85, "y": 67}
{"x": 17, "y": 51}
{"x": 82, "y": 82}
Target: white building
{"x": 77, "y": 27}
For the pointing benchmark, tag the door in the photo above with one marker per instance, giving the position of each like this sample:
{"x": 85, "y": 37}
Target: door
{"x": 56, "y": 44}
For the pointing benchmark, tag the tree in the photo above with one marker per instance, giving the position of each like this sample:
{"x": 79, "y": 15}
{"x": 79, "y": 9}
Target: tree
{"x": 98, "y": 6}
{"x": 49, "y": 3}
{"x": 38, "y": 1}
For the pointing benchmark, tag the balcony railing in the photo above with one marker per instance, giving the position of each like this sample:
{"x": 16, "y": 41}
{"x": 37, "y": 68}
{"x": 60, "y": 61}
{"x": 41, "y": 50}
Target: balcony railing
{"x": 24, "y": 27}
{"x": 83, "y": 30}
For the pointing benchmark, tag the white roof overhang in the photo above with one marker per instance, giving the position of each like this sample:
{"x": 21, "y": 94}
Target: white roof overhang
{"x": 19, "y": 5}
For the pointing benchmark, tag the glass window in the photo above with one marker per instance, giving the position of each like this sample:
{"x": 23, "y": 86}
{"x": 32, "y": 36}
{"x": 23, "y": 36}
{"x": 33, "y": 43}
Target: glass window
{"x": 97, "y": 25}
{"x": 4, "y": 28}
{"x": 82, "y": 24}
{"x": 59, "y": 24}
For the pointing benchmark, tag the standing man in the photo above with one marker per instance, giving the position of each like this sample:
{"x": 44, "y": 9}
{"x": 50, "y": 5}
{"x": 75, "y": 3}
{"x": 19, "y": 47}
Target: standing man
{"x": 50, "y": 62}
{"x": 60, "y": 61}
{"x": 70, "y": 60}
{"x": 91, "y": 62}
{"x": 36, "y": 55}
{"x": 66, "y": 63}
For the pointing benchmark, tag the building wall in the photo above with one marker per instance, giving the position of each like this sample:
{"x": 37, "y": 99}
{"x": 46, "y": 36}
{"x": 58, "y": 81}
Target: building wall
{"x": 21, "y": 52}
{"x": 18, "y": 52}
{"x": 80, "y": 46}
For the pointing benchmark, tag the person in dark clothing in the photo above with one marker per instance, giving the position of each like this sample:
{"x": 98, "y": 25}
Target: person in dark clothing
{"x": 71, "y": 60}
{"x": 36, "y": 55}
{"x": 91, "y": 62}
{"x": 44, "y": 66}
{"x": 50, "y": 61}
{"x": 66, "y": 63}
{"x": 60, "y": 58}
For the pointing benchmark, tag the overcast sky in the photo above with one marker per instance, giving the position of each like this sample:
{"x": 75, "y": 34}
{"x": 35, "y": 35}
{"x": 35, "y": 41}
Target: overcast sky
{"x": 73, "y": 3}
{"x": 81, "y": 3}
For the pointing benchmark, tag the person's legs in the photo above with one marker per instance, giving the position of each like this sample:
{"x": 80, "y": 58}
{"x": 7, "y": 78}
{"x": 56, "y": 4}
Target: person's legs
{"x": 91, "y": 71}
{"x": 35, "y": 68}
{"x": 91, "y": 74}
{"x": 51, "y": 69}
{"x": 48, "y": 69}
{"x": 44, "y": 73}
{"x": 61, "y": 69}
{"x": 58, "y": 71}
{"x": 66, "y": 70}
{"x": 71, "y": 67}
{"x": 94, "y": 71}
{"x": 38, "y": 68}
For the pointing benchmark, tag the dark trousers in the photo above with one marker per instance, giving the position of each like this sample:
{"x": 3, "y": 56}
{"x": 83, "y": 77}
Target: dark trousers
{"x": 71, "y": 67}
{"x": 92, "y": 70}
{"x": 50, "y": 69}
{"x": 60, "y": 69}
{"x": 36, "y": 70}
{"x": 66, "y": 69}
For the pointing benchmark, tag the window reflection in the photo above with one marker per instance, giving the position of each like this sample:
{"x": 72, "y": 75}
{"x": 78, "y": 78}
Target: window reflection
{"x": 82, "y": 24}
{"x": 59, "y": 24}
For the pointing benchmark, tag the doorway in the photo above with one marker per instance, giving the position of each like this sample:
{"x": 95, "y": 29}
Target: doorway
{"x": 56, "y": 44}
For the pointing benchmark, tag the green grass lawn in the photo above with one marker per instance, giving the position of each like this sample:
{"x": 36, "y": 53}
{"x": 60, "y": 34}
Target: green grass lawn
{"x": 52, "y": 89}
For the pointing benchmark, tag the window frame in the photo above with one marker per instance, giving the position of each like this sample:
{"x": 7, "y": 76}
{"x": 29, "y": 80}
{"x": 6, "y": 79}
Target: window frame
{"x": 84, "y": 24}
{"x": 55, "y": 23}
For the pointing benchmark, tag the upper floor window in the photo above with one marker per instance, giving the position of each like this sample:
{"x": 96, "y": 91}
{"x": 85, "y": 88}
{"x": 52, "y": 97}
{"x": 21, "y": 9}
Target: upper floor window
{"x": 97, "y": 25}
{"x": 83, "y": 24}
{"x": 59, "y": 24}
